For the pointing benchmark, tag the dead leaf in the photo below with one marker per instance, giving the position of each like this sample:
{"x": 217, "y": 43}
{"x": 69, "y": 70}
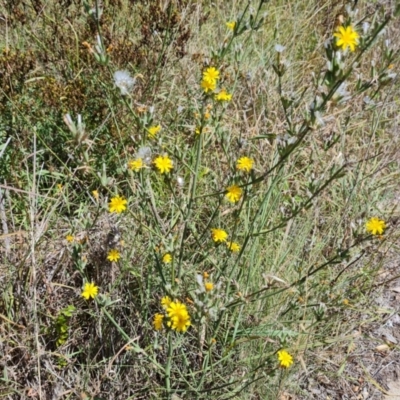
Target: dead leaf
{"x": 382, "y": 347}
{"x": 389, "y": 338}
{"x": 395, "y": 289}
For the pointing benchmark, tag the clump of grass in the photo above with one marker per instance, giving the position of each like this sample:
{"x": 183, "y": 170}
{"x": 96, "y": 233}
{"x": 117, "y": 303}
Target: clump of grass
{"x": 186, "y": 228}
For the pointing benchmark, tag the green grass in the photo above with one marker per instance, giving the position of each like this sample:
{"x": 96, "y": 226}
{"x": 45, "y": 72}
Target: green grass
{"x": 306, "y": 266}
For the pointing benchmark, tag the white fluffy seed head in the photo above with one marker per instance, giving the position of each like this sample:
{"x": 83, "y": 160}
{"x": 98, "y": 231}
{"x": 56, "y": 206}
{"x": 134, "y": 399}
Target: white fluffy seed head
{"x": 124, "y": 81}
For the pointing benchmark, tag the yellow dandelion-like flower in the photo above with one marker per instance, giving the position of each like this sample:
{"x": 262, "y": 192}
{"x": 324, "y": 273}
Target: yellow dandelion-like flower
{"x": 211, "y": 74}
{"x": 166, "y": 301}
{"x": 179, "y": 316}
{"x": 206, "y": 275}
{"x": 234, "y": 193}
{"x": 90, "y": 290}
{"x": 218, "y": 235}
{"x": 208, "y": 86}
{"x": 375, "y": 226}
{"x": 176, "y": 308}
{"x": 158, "y": 321}
{"x": 285, "y": 359}
{"x": 153, "y": 130}
{"x": 207, "y": 115}
{"x": 346, "y": 37}
{"x": 244, "y": 164}
{"x": 69, "y": 238}
{"x": 223, "y": 95}
{"x": 117, "y": 205}
{"x": 233, "y": 247}
{"x": 230, "y": 25}
{"x": 164, "y": 164}
{"x": 180, "y": 323}
{"x": 167, "y": 258}
{"x": 208, "y": 286}
{"x": 136, "y": 165}
{"x": 95, "y": 194}
{"x": 113, "y": 255}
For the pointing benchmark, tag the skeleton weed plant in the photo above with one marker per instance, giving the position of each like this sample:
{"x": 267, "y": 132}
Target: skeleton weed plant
{"x": 210, "y": 280}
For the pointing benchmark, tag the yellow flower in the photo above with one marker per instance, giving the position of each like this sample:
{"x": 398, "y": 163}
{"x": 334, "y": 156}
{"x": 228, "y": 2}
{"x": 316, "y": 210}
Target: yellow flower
{"x": 230, "y": 25}
{"x": 285, "y": 359}
{"x": 158, "y": 321}
{"x": 208, "y": 86}
{"x": 204, "y": 130}
{"x": 166, "y": 301}
{"x": 375, "y": 226}
{"x": 208, "y": 286}
{"x": 223, "y": 95}
{"x": 244, "y": 164}
{"x": 179, "y": 316}
{"x": 164, "y": 164}
{"x": 136, "y": 165}
{"x": 211, "y": 74}
{"x": 90, "y": 290}
{"x": 113, "y": 255}
{"x": 59, "y": 186}
{"x": 69, "y": 238}
{"x": 176, "y": 308}
{"x": 207, "y": 115}
{"x": 218, "y": 235}
{"x": 346, "y": 37}
{"x": 206, "y": 275}
{"x": 167, "y": 258}
{"x": 153, "y": 130}
{"x": 95, "y": 194}
{"x": 117, "y": 205}
{"x": 233, "y": 247}
{"x": 234, "y": 193}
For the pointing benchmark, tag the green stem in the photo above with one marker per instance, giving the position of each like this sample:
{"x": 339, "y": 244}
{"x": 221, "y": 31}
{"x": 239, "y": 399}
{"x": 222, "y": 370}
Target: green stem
{"x": 168, "y": 366}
